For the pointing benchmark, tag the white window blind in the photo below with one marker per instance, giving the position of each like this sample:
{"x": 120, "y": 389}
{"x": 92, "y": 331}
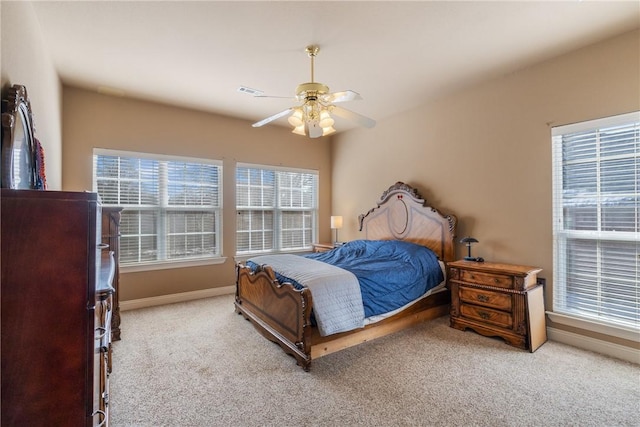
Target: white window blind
{"x": 171, "y": 206}
{"x": 596, "y": 213}
{"x": 276, "y": 209}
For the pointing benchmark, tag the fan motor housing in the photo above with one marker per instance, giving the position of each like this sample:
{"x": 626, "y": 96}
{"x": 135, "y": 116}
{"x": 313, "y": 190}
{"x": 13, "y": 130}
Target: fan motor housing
{"x": 311, "y": 89}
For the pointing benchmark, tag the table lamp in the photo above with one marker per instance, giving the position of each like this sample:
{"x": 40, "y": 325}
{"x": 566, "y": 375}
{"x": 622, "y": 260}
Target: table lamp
{"x": 468, "y": 241}
{"x": 336, "y": 223}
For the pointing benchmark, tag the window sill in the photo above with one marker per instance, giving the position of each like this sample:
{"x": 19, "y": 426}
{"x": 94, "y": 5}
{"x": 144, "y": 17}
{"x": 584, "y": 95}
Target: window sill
{"x": 169, "y": 265}
{"x": 594, "y": 326}
{"x": 245, "y": 257}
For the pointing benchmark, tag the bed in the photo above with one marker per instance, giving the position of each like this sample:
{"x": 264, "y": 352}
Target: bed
{"x": 283, "y": 310}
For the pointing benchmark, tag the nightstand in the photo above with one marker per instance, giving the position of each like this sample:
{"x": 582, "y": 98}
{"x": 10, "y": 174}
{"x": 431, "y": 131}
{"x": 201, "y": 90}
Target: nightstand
{"x": 500, "y": 300}
{"x": 322, "y": 247}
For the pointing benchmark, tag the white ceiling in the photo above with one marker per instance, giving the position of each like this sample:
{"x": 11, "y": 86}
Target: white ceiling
{"x": 397, "y": 55}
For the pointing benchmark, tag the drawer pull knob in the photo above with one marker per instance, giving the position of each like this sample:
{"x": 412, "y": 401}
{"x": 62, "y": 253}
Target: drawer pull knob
{"x": 496, "y": 280}
{"x": 483, "y": 298}
{"x": 102, "y": 414}
{"x": 484, "y": 314}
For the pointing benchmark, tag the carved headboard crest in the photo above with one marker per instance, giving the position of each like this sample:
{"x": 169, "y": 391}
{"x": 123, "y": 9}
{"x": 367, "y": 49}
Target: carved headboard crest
{"x": 401, "y": 186}
{"x": 402, "y": 214}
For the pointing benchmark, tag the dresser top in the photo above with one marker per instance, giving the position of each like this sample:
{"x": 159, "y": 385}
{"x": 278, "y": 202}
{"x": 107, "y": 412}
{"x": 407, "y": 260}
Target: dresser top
{"x": 48, "y": 194}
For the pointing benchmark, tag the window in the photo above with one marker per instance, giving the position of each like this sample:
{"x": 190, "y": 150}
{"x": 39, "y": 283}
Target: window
{"x": 277, "y": 209}
{"x": 172, "y": 206}
{"x": 596, "y": 213}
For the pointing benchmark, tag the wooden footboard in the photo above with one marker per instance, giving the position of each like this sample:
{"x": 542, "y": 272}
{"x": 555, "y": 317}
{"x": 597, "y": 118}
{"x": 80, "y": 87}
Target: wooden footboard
{"x": 278, "y": 310}
{"x": 282, "y": 314}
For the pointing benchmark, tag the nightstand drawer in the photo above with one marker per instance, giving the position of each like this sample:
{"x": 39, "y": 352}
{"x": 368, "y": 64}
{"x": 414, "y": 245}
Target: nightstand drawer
{"x": 496, "y": 280}
{"x": 485, "y": 298}
{"x": 487, "y": 315}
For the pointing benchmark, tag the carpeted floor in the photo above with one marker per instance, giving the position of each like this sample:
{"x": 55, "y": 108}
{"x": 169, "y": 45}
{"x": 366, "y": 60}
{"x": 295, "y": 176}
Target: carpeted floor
{"x": 200, "y": 364}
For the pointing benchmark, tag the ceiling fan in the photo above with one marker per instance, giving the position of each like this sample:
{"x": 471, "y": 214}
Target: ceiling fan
{"x": 313, "y": 116}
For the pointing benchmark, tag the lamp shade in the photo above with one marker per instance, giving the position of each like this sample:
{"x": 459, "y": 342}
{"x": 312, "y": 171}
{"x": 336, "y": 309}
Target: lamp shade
{"x": 299, "y": 130}
{"x": 325, "y": 119}
{"x": 328, "y": 131}
{"x": 295, "y": 119}
{"x": 336, "y": 222}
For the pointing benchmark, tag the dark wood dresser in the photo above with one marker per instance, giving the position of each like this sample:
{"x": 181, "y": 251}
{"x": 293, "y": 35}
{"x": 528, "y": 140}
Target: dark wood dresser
{"x": 57, "y": 304}
{"x": 500, "y": 300}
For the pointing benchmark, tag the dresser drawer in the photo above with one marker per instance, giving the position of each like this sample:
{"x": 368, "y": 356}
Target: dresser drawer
{"x": 497, "y": 280}
{"x": 487, "y": 315}
{"x": 486, "y": 298}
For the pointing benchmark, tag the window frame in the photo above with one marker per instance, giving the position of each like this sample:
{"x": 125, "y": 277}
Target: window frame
{"x": 277, "y": 210}
{"x": 162, "y": 206}
{"x": 571, "y": 316}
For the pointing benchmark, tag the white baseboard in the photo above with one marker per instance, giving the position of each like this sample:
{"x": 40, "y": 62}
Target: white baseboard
{"x": 180, "y": 297}
{"x": 592, "y": 344}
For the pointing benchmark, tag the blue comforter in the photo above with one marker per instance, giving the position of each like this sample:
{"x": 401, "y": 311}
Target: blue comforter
{"x": 391, "y": 273}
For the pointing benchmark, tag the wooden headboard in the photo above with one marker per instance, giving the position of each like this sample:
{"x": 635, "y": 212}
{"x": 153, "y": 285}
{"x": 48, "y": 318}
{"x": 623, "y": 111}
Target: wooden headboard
{"x": 402, "y": 214}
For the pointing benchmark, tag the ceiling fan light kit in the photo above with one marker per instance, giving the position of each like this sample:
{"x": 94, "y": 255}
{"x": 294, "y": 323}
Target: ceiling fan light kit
{"x": 313, "y": 116}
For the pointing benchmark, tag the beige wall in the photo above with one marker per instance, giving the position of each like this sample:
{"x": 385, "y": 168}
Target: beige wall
{"x": 25, "y": 61}
{"x": 484, "y": 154}
{"x": 92, "y": 120}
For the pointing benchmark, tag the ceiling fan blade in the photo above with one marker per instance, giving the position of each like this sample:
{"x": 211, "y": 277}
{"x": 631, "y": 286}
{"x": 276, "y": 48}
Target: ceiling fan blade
{"x": 250, "y": 91}
{"x": 275, "y": 96}
{"x": 272, "y": 118}
{"x": 344, "y": 96}
{"x": 355, "y": 117}
{"x": 257, "y": 93}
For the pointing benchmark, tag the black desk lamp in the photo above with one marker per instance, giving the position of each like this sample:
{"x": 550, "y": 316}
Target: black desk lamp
{"x": 468, "y": 241}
